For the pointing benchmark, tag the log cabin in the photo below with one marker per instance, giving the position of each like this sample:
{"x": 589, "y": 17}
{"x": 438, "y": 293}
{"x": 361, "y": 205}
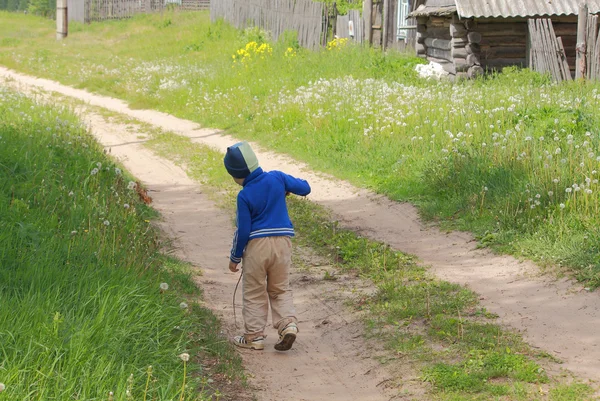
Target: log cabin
{"x": 470, "y": 37}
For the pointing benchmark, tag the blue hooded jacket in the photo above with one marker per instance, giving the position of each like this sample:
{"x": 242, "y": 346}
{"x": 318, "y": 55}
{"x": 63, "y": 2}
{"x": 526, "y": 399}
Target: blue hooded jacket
{"x": 261, "y": 208}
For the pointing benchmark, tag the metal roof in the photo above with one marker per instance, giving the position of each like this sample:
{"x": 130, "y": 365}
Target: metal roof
{"x": 507, "y": 8}
{"x": 521, "y": 8}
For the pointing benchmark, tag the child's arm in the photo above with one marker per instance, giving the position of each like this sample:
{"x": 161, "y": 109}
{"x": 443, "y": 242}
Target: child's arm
{"x": 240, "y": 238}
{"x": 294, "y": 185}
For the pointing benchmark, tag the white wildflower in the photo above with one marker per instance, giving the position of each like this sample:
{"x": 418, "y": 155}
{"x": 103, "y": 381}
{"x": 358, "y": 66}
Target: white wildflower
{"x": 164, "y": 286}
{"x": 71, "y": 193}
{"x": 185, "y": 357}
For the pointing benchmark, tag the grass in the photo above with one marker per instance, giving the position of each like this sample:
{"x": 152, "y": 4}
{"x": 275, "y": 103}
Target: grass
{"x": 82, "y": 310}
{"x": 437, "y": 327}
{"x": 512, "y": 158}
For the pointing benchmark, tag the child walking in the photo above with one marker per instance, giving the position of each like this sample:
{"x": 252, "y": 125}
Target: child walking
{"x": 262, "y": 241}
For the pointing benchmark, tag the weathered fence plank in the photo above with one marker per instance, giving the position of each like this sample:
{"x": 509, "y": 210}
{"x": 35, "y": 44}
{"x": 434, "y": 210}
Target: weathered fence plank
{"x": 546, "y": 51}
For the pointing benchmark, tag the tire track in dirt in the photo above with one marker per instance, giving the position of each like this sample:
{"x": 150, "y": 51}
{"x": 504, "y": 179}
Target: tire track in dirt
{"x": 558, "y": 316}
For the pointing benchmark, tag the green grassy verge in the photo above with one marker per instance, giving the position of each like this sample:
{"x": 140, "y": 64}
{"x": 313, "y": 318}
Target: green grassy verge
{"x": 437, "y": 327}
{"x": 83, "y": 313}
{"x": 512, "y": 158}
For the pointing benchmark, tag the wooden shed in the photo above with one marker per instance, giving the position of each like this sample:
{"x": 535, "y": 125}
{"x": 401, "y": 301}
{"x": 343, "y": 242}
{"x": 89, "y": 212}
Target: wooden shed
{"x": 469, "y": 37}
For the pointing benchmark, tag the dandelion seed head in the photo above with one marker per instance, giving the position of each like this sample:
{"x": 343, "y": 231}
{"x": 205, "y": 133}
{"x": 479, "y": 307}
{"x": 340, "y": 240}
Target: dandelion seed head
{"x": 118, "y": 171}
{"x": 2, "y": 387}
{"x": 550, "y": 193}
{"x": 562, "y": 205}
{"x": 94, "y": 171}
{"x": 131, "y": 185}
{"x": 183, "y": 305}
{"x": 126, "y": 205}
{"x": 569, "y": 190}
{"x": 164, "y": 286}
{"x": 185, "y": 357}
{"x": 106, "y": 223}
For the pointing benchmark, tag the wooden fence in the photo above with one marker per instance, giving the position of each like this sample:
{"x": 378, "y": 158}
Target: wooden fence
{"x": 275, "y": 16}
{"x": 100, "y": 10}
{"x": 546, "y": 51}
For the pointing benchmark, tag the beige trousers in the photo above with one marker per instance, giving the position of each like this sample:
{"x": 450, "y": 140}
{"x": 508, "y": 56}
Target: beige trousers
{"x": 266, "y": 268}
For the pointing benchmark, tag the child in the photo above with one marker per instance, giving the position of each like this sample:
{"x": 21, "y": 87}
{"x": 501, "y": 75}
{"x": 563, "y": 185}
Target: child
{"x": 262, "y": 240}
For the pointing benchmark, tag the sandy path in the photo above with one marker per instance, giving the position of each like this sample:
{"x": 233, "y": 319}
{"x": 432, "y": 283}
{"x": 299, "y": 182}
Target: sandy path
{"x": 558, "y": 317}
{"x": 329, "y": 361}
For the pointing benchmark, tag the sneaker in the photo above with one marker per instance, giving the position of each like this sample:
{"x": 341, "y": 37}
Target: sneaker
{"x": 257, "y": 344}
{"x": 287, "y": 336}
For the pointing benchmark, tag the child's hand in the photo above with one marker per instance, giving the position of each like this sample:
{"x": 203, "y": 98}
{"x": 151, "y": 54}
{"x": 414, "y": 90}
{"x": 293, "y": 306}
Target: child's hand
{"x": 233, "y": 267}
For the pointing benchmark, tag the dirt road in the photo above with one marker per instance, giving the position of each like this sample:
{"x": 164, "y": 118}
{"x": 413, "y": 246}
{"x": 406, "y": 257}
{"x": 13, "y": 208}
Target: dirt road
{"x": 557, "y": 316}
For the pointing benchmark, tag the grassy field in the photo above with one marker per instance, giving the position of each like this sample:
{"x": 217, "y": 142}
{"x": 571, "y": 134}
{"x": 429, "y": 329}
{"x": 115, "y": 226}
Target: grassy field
{"x": 434, "y": 326}
{"x": 512, "y": 158}
{"x": 90, "y": 307}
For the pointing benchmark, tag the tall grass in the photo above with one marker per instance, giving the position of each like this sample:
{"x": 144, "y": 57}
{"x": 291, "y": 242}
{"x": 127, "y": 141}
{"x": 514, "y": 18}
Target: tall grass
{"x": 82, "y": 311}
{"x": 512, "y": 158}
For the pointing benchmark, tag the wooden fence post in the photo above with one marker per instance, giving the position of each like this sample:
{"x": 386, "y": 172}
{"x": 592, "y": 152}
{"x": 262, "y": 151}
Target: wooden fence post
{"x": 384, "y": 23}
{"x": 62, "y": 21}
{"x": 581, "y": 41}
{"x": 368, "y": 20}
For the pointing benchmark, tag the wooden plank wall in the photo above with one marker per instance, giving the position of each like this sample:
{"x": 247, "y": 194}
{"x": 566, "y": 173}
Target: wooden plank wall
{"x": 341, "y": 28}
{"x": 276, "y": 16}
{"x": 76, "y": 10}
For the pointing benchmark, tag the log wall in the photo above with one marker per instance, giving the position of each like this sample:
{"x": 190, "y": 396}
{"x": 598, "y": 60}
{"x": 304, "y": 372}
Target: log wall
{"x": 468, "y": 47}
